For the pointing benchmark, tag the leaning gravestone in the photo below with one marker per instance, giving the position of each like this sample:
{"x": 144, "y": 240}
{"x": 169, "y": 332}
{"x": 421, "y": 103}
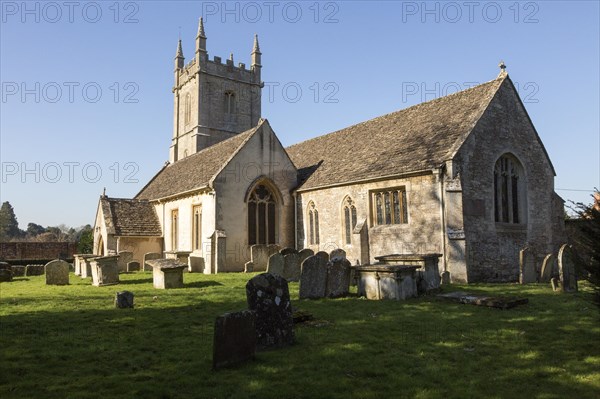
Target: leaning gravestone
{"x": 337, "y": 253}
{"x": 234, "y": 338}
{"x": 338, "y": 278}
{"x": 150, "y": 256}
{"x": 566, "y": 268}
{"x": 527, "y": 266}
{"x": 276, "y": 264}
{"x": 313, "y": 280}
{"x": 269, "y": 297}
{"x": 34, "y": 270}
{"x": 124, "y": 300}
{"x": 549, "y": 268}
{"x": 291, "y": 267}
{"x": 57, "y": 272}
{"x": 124, "y": 258}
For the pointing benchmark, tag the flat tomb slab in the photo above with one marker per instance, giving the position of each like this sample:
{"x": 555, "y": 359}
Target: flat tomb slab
{"x": 500, "y": 302}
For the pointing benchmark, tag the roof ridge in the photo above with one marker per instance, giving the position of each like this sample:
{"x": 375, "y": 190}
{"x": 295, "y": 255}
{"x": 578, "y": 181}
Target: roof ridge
{"x": 430, "y": 102}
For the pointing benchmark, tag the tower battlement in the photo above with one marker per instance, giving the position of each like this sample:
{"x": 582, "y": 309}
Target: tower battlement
{"x": 213, "y": 100}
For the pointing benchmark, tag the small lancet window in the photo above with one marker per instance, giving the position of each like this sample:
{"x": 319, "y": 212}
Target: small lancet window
{"x": 349, "y": 219}
{"x": 313, "y": 224}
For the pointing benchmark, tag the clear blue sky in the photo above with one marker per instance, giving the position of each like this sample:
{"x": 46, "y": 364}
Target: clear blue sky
{"x": 62, "y": 141}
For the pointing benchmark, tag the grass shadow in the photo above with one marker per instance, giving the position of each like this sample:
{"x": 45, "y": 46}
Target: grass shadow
{"x": 202, "y": 284}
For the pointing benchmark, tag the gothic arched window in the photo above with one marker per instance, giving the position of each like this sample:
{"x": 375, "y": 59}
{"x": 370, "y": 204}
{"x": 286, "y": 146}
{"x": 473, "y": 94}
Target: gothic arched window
{"x": 313, "y": 224}
{"x": 261, "y": 216}
{"x": 229, "y": 102}
{"x": 509, "y": 190}
{"x": 349, "y": 219}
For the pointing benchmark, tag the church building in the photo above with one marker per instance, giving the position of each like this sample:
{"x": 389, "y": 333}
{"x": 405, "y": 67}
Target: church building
{"x": 465, "y": 176}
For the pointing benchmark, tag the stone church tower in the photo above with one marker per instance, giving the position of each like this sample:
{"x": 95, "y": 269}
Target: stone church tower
{"x": 213, "y": 101}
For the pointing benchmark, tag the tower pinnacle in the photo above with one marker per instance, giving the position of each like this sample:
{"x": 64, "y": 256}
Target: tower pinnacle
{"x": 201, "y": 29}
{"x": 179, "y": 59}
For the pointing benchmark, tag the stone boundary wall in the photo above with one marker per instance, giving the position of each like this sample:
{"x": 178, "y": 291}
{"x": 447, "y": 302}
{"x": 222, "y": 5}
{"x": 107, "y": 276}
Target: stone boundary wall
{"x": 34, "y": 251}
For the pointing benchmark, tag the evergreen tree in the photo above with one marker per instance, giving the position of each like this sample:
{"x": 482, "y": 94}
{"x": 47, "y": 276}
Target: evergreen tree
{"x": 9, "y": 227}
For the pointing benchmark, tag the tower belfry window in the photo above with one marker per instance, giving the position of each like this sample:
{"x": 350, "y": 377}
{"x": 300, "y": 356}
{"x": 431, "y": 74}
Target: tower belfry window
{"x": 229, "y": 102}
{"x": 187, "y": 112}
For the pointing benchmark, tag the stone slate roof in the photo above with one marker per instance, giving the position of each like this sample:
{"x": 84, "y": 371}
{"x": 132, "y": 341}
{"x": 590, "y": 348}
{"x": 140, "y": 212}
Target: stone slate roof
{"x": 414, "y": 139}
{"x": 196, "y": 170}
{"x": 130, "y": 217}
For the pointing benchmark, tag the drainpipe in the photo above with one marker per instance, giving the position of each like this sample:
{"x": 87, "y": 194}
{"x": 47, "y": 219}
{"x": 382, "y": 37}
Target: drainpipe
{"x": 443, "y": 217}
{"x": 295, "y": 195}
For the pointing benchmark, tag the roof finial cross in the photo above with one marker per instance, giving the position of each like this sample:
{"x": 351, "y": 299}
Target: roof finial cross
{"x": 502, "y": 66}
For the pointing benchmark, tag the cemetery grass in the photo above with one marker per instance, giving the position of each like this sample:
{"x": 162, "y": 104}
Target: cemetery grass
{"x": 70, "y": 342}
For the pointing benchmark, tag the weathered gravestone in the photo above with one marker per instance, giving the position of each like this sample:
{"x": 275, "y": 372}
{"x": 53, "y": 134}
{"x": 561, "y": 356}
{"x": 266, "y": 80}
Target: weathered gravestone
{"x": 323, "y": 255}
{"x": 259, "y": 256}
{"x": 269, "y": 297}
{"x": 105, "y": 270}
{"x": 196, "y": 264}
{"x": 6, "y": 273}
{"x": 527, "y": 273}
{"x": 313, "y": 280}
{"x": 276, "y": 264}
{"x": 124, "y": 258}
{"x": 338, "y": 277}
{"x": 150, "y": 256}
{"x": 549, "y": 268}
{"x": 167, "y": 273}
{"x": 305, "y": 253}
{"x": 133, "y": 266}
{"x": 287, "y": 251}
{"x": 566, "y": 268}
{"x": 249, "y": 267}
{"x": 57, "y": 272}
{"x": 34, "y": 270}
{"x": 18, "y": 271}
{"x": 337, "y": 253}
{"x": 291, "y": 267}
{"x": 124, "y": 299}
{"x": 234, "y": 338}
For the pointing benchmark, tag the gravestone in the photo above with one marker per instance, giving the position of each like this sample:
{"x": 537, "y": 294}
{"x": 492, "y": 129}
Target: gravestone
{"x": 259, "y": 255}
{"x": 276, "y": 264}
{"x": 6, "y": 273}
{"x": 269, "y": 297}
{"x": 549, "y": 268}
{"x": 337, "y": 253}
{"x": 124, "y": 299}
{"x": 287, "y": 251}
{"x": 527, "y": 273}
{"x": 18, "y": 271}
{"x": 291, "y": 267}
{"x": 34, "y": 270}
{"x": 150, "y": 256}
{"x": 338, "y": 278}
{"x": 566, "y": 269}
{"x": 85, "y": 265}
{"x": 248, "y": 267}
{"x": 305, "y": 253}
{"x": 105, "y": 270}
{"x": 323, "y": 255}
{"x": 133, "y": 266}
{"x": 124, "y": 258}
{"x": 57, "y": 272}
{"x": 313, "y": 280}
{"x": 196, "y": 264}
{"x": 167, "y": 273}
{"x": 234, "y": 339}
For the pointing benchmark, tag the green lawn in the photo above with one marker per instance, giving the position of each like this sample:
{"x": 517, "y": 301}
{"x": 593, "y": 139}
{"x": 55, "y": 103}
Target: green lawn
{"x": 70, "y": 342}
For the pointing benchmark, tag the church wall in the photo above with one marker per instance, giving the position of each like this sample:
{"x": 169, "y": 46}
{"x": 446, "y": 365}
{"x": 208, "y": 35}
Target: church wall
{"x": 184, "y": 207}
{"x": 101, "y": 233}
{"x": 262, "y": 155}
{"x": 139, "y": 246}
{"x": 492, "y": 249}
{"x": 422, "y": 233}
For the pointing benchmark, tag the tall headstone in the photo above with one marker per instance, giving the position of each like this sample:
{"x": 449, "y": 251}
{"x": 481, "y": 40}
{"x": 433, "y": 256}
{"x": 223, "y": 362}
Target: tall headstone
{"x": 234, "y": 338}
{"x": 269, "y": 297}
{"x": 133, "y": 266}
{"x": 549, "y": 268}
{"x": 566, "y": 268}
{"x": 305, "y": 253}
{"x": 527, "y": 273}
{"x": 57, "y": 272}
{"x": 291, "y": 267}
{"x": 276, "y": 264}
{"x": 313, "y": 281}
{"x": 150, "y": 256}
{"x": 338, "y": 277}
